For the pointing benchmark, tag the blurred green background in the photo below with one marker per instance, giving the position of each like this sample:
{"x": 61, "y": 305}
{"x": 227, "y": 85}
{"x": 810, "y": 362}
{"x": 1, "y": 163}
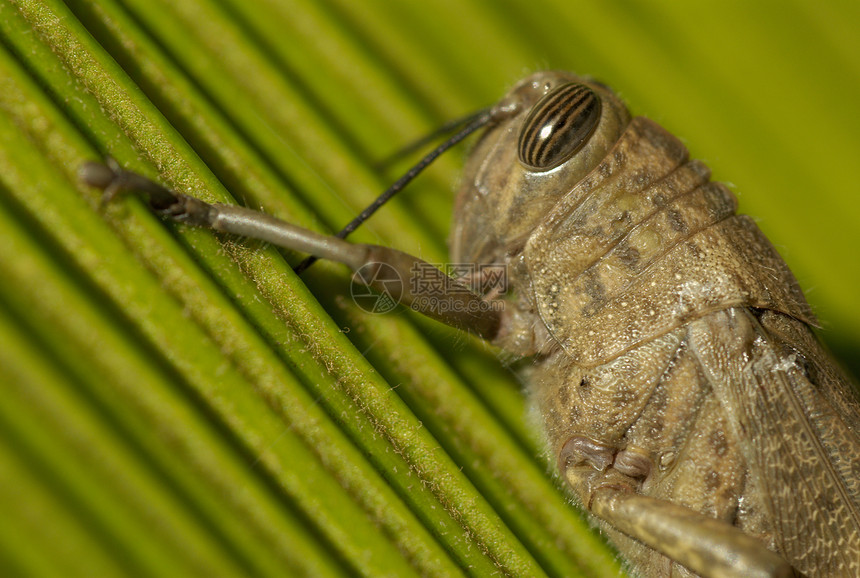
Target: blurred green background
{"x": 180, "y": 404}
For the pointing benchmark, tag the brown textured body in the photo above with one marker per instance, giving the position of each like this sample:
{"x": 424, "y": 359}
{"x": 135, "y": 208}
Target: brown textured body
{"x": 674, "y": 355}
{"x": 685, "y": 398}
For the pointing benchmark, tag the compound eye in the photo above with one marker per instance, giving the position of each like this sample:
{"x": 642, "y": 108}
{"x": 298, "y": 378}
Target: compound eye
{"x": 558, "y": 126}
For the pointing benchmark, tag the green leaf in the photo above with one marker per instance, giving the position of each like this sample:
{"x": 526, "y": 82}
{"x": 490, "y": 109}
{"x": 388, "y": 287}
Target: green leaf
{"x": 180, "y": 403}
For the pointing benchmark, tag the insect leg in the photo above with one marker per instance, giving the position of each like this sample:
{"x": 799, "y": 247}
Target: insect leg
{"x": 705, "y": 545}
{"x": 381, "y": 268}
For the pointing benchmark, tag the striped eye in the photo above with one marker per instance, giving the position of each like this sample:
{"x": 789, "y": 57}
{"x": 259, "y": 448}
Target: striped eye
{"x": 558, "y": 126}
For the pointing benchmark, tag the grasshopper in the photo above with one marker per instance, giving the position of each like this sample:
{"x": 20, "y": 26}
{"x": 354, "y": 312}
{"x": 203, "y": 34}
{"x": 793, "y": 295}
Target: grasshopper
{"x": 689, "y": 405}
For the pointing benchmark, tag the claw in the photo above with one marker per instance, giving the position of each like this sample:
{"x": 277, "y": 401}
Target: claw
{"x": 106, "y": 176}
{"x": 98, "y": 175}
{"x": 113, "y": 180}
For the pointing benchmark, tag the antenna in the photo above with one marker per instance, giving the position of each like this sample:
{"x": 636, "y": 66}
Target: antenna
{"x": 470, "y": 124}
{"x": 436, "y": 134}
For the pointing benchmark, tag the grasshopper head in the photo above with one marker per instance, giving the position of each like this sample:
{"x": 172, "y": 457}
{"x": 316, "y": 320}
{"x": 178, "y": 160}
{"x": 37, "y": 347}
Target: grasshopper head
{"x": 549, "y": 131}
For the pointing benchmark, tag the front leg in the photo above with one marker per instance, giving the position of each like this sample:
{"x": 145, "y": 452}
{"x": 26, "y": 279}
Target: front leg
{"x": 380, "y": 268}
